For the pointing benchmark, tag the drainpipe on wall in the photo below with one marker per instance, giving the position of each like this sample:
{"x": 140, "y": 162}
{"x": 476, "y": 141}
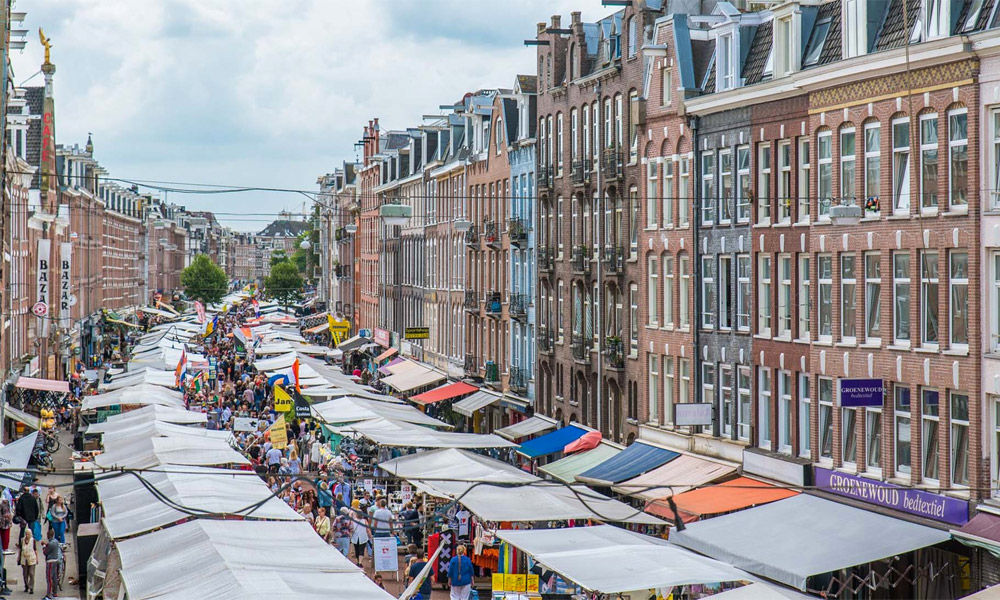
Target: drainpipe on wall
{"x": 600, "y": 283}
{"x": 695, "y": 260}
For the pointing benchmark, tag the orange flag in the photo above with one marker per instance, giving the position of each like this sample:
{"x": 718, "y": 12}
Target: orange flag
{"x": 295, "y": 371}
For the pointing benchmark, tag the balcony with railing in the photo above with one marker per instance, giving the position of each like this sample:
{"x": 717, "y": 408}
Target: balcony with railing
{"x": 494, "y": 304}
{"x": 613, "y": 261}
{"x": 517, "y": 379}
{"x": 580, "y": 346}
{"x": 580, "y": 260}
{"x": 472, "y": 236}
{"x": 546, "y": 340}
{"x": 492, "y": 373}
{"x": 545, "y": 177}
{"x": 517, "y": 231}
{"x": 615, "y": 353}
{"x": 581, "y": 172}
{"x": 471, "y": 365}
{"x": 491, "y": 233}
{"x": 518, "y": 306}
{"x": 546, "y": 260}
{"x": 612, "y": 167}
{"x": 471, "y": 301}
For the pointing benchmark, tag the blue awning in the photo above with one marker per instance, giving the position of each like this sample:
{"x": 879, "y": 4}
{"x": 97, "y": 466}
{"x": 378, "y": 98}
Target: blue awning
{"x": 551, "y": 443}
{"x": 631, "y": 462}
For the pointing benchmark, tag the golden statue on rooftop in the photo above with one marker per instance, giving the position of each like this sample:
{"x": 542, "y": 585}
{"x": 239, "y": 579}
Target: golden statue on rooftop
{"x": 47, "y": 43}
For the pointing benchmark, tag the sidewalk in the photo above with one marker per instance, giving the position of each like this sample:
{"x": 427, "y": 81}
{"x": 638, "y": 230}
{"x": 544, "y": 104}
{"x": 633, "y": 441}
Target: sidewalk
{"x": 63, "y": 462}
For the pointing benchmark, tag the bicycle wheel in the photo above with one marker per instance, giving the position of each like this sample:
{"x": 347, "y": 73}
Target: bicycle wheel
{"x": 52, "y": 444}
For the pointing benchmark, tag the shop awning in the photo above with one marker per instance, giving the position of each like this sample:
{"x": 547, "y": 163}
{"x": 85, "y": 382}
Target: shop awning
{"x": 413, "y": 379}
{"x": 763, "y": 591}
{"x": 796, "y": 538}
{"x": 349, "y": 409}
{"x": 477, "y": 401}
{"x": 635, "y": 460}
{"x": 386, "y": 369}
{"x": 566, "y": 469}
{"x": 550, "y": 443}
{"x": 638, "y": 562}
{"x": 22, "y": 417}
{"x": 351, "y": 343}
{"x": 445, "y": 392}
{"x": 737, "y": 494}
{"x": 43, "y": 385}
{"x": 983, "y": 531}
{"x": 530, "y": 426}
{"x": 406, "y": 435}
{"x": 387, "y": 354}
{"x": 679, "y": 475}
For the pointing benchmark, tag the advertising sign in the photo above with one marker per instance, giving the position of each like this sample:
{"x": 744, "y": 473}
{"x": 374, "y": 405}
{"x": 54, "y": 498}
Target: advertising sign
{"x": 915, "y": 502}
{"x": 279, "y": 435}
{"x": 65, "y": 271}
{"x": 416, "y": 333}
{"x": 245, "y": 424}
{"x": 199, "y": 309}
{"x": 42, "y": 279}
{"x": 693, "y": 414}
{"x": 338, "y": 326}
{"x": 386, "y": 555}
{"x": 382, "y": 337}
{"x": 302, "y": 408}
{"x": 282, "y": 400}
{"x": 860, "y": 392}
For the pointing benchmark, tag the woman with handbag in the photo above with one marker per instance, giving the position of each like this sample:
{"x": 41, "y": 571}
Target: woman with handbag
{"x": 322, "y": 525}
{"x": 6, "y": 522}
{"x": 27, "y": 557}
{"x": 57, "y": 519}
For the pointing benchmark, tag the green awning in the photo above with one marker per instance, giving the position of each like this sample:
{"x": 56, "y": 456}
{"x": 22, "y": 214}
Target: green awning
{"x": 566, "y": 469}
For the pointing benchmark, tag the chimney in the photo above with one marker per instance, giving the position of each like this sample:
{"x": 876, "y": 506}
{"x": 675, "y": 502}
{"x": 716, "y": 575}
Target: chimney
{"x": 540, "y": 29}
{"x": 574, "y": 17}
{"x": 556, "y": 19}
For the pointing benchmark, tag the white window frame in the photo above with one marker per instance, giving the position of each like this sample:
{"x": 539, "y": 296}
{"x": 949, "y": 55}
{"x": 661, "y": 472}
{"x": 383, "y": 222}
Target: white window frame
{"x": 744, "y": 292}
{"x": 849, "y": 165}
{"x": 667, "y": 91}
{"x": 785, "y": 181}
{"x": 994, "y": 181}
{"x": 725, "y": 189}
{"x": 785, "y": 426}
{"x": 873, "y": 287}
{"x": 684, "y": 309}
{"x": 652, "y": 181}
{"x": 708, "y": 382}
{"x": 804, "y": 331}
{"x": 765, "y": 277}
{"x": 824, "y": 175}
{"x": 764, "y": 183}
{"x": 994, "y": 299}
{"x": 684, "y": 192}
{"x": 898, "y": 283}
{"x": 559, "y": 143}
{"x": 956, "y": 283}
{"x": 727, "y": 66}
{"x": 926, "y": 421}
{"x": 708, "y": 197}
{"x": 668, "y": 389}
{"x": 873, "y": 160}
{"x": 824, "y": 283}
{"x": 633, "y": 295}
{"x": 574, "y": 139}
{"x": 929, "y": 147}
{"x": 744, "y": 184}
{"x": 708, "y": 304}
{"x": 784, "y": 316}
{"x": 668, "y": 291}
{"x": 804, "y": 415}
{"x": 652, "y": 290}
{"x": 901, "y": 168}
{"x": 727, "y": 399}
{"x": 804, "y": 175}
{"x": 873, "y": 438}
{"x": 764, "y": 413}
{"x": 653, "y": 391}
{"x": 926, "y": 281}
{"x": 586, "y": 132}
{"x": 900, "y": 428}
{"x": 954, "y": 146}
{"x": 826, "y": 407}
{"x": 848, "y": 301}
{"x": 847, "y": 436}
{"x": 744, "y": 399}
{"x": 725, "y": 293}
{"x": 667, "y": 218}
{"x": 684, "y": 374}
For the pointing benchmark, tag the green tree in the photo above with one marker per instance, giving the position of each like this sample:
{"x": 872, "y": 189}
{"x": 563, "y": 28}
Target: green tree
{"x": 278, "y": 256}
{"x": 204, "y": 280}
{"x": 284, "y": 284}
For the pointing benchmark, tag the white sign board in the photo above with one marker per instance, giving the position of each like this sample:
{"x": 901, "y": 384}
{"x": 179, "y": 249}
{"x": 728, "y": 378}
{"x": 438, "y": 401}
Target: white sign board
{"x": 245, "y": 424}
{"x": 693, "y": 414}
{"x": 386, "y": 556}
{"x": 42, "y": 281}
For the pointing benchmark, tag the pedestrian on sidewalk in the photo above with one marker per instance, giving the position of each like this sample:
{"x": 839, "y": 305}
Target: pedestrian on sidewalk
{"x": 28, "y": 558}
{"x": 57, "y": 520}
{"x": 53, "y": 562}
{"x": 27, "y": 510}
{"x": 460, "y": 575}
{"x": 6, "y": 522}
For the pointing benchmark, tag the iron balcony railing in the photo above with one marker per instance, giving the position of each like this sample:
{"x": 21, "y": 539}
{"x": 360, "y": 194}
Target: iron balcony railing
{"x": 518, "y": 306}
{"x": 472, "y": 236}
{"x": 612, "y": 167}
{"x": 517, "y": 231}
{"x": 471, "y": 300}
{"x": 580, "y": 260}
{"x": 492, "y": 372}
{"x": 615, "y": 353}
{"x": 494, "y": 304}
{"x": 491, "y": 233}
{"x": 546, "y": 340}
{"x": 581, "y": 172}
{"x": 545, "y": 176}
{"x": 471, "y": 365}
{"x": 518, "y": 378}
{"x": 613, "y": 261}
{"x": 581, "y": 348}
{"x": 546, "y": 260}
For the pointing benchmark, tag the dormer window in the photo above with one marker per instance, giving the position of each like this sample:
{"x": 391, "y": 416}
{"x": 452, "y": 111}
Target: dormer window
{"x": 785, "y": 47}
{"x": 633, "y": 35}
{"x": 934, "y": 21}
{"x": 726, "y": 65}
{"x": 855, "y": 28}
{"x": 816, "y": 42}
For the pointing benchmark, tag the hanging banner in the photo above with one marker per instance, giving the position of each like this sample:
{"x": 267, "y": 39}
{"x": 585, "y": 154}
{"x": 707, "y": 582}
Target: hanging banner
{"x": 200, "y": 309}
{"x": 860, "y": 392}
{"x": 278, "y": 433}
{"x": 42, "y": 282}
{"x": 65, "y": 282}
{"x": 282, "y": 400}
{"x": 303, "y": 410}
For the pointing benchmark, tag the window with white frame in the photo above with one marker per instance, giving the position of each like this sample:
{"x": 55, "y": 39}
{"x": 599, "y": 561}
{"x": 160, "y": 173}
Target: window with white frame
{"x": 586, "y": 131}
{"x": 930, "y": 423}
{"x": 803, "y": 180}
{"x": 727, "y": 66}
{"x": 824, "y": 175}
{"x": 928, "y": 162}
{"x": 817, "y": 42}
{"x": 848, "y": 298}
{"x": 685, "y": 290}
{"x": 785, "y": 47}
{"x": 826, "y": 418}
{"x": 958, "y": 159}
{"x": 559, "y": 142}
{"x": 725, "y": 186}
{"x": 764, "y": 407}
{"x": 708, "y": 292}
{"x": 558, "y": 224}
{"x": 667, "y": 90}
{"x": 574, "y": 136}
{"x": 764, "y": 184}
{"x": 936, "y": 18}
{"x": 785, "y": 296}
{"x": 667, "y": 218}
{"x": 684, "y": 192}
{"x": 873, "y": 439}
{"x": 959, "y": 438}
{"x": 668, "y": 291}
{"x": 619, "y": 130}
{"x": 744, "y": 191}
{"x": 848, "y": 157}
{"x": 995, "y": 159}
{"x": 849, "y": 435}
{"x": 994, "y": 299}
{"x": 804, "y": 299}
{"x": 901, "y": 166}
{"x": 743, "y": 292}
{"x": 653, "y": 290}
{"x": 901, "y": 448}
{"x": 743, "y": 384}
{"x": 560, "y": 303}
{"x": 652, "y": 194}
{"x": 929, "y": 298}
{"x": 653, "y": 392}
{"x": 726, "y": 397}
{"x": 595, "y": 126}
{"x": 725, "y": 291}
{"x": 708, "y": 382}
{"x": 958, "y": 292}
{"x": 805, "y": 402}
{"x": 873, "y": 160}
{"x": 785, "y": 182}
{"x": 873, "y": 298}
{"x": 824, "y": 277}
{"x": 608, "y": 131}
{"x": 633, "y": 221}
{"x": 668, "y": 389}
{"x": 684, "y": 387}
{"x": 707, "y": 187}
{"x": 633, "y": 298}
{"x": 633, "y": 126}
{"x": 854, "y": 28}
{"x": 764, "y": 295}
{"x": 785, "y": 412}
{"x": 901, "y": 298}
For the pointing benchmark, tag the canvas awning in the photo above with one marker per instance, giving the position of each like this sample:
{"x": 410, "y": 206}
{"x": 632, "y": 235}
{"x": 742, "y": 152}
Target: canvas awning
{"x": 43, "y": 385}
{"x": 726, "y": 497}
{"x": 552, "y": 442}
{"x": 635, "y": 460}
{"x": 387, "y": 354}
{"x": 152, "y": 412}
{"x": 530, "y": 426}
{"x": 762, "y": 591}
{"x": 676, "y": 476}
{"x": 318, "y": 328}
{"x": 22, "y": 417}
{"x": 445, "y": 392}
{"x": 351, "y": 343}
{"x": 386, "y": 369}
{"x": 640, "y": 562}
{"x": 796, "y": 538}
{"x": 406, "y": 435}
{"x": 982, "y": 531}
{"x": 413, "y": 379}
{"x": 181, "y": 450}
{"x": 350, "y": 409}
{"x": 566, "y": 469}
{"x": 477, "y": 401}
{"x": 140, "y": 394}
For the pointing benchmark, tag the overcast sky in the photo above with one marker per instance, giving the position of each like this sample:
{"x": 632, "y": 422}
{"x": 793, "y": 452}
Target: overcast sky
{"x": 265, "y": 93}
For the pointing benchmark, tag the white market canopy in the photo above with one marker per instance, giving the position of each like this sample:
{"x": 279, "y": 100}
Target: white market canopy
{"x": 250, "y": 560}
{"x": 401, "y": 434}
{"x": 131, "y": 508}
{"x": 481, "y": 399}
{"x": 140, "y": 394}
{"x": 134, "y": 431}
{"x": 351, "y": 410}
{"x": 677, "y": 476}
{"x": 165, "y": 379}
{"x": 412, "y": 377}
{"x": 611, "y": 560}
{"x": 282, "y": 361}
{"x": 150, "y": 310}
{"x": 148, "y": 414}
{"x": 530, "y": 426}
{"x": 178, "y": 450}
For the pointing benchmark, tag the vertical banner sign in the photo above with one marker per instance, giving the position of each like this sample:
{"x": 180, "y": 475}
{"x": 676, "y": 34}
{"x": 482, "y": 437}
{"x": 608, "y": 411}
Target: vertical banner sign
{"x": 200, "y": 309}
{"x": 42, "y": 283}
{"x": 65, "y": 282}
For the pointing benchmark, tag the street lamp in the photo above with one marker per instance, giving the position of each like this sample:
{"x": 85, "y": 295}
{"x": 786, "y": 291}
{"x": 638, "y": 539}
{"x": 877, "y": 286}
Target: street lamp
{"x": 305, "y": 245}
{"x": 395, "y": 215}
{"x": 846, "y": 214}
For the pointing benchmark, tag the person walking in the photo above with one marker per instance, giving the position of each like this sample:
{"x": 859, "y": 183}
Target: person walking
{"x": 26, "y": 509}
{"x": 57, "y": 519}
{"x": 417, "y": 565}
{"x": 53, "y": 562}
{"x": 460, "y": 575}
{"x": 322, "y": 525}
{"x": 360, "y": 534}
{"x": 6, "y": 522}
{"x": 383, "y": 518}
{"x": 28, "y": 558}
{"x": 342, "y": 532}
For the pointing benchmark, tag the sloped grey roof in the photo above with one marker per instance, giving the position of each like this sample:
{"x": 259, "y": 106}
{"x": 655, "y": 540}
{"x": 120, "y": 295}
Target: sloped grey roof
{"x": 832, "y": 48}
{"x": 285, "y": 228}
{"x": 528, "y": 83}
{"x": 760, "y": 49}
{"x": 894, "y": 34}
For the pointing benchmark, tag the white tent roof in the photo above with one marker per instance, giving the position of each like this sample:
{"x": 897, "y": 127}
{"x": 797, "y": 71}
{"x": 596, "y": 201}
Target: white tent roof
{"x": 157, "y": 312}
{"x": 250, "y": 560}
{"x": 178, "y": 450}
{"x": 452, "y": 463}
{"x": 273, "y": 348}
{"x": 413, "y": 379}
{"x": 148, "y": 414}
{"x": 123, "y": 434}
{"x": 161, "y": 378}
{"x": 351, "y": 410}
{"x": 640, "y": 562}
{"x": 131, "y": 508}
{"x": 766, "y": 591}
{"x": 140, "y": 394}
{"x": 398, "y": 433}
{"x": 282, "y": 361}
{"x": 530, "y": 426}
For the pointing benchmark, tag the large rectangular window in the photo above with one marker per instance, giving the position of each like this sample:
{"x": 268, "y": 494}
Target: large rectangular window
{"x": 873, "y": 298}
{"x": 784, "y": 182}
{"x": 785, "y": 296}
{"x": 848, "y": 159}
{"x": 804, "y": 292}
{"x": 901, "y": 166}
{"x": 901, "y": 298}
{"x": 708, "y": 292}
{"x": 668, "y": 291}
{"x": 902, "y": 428}
{"x": 726, "y": 399}
{"x": 652, "y": 290}
{"x": 725, "y": 292}
{"x": 684, "y": 366}
{"x": 764, "y": 407}
{"x": 930, "y": 422}
{"x": 929, "y": 298}
{"x": 744, "y": 292}
{"x": 805, "y": 404}
{"x": 873, "y": 162}
{"x": 824, "y": 277}
{"x": 707, "y": 188}
{"x": 825, "y": 418}
{"x": 849, "y": 435}
{"x": 667, "y": 218}
{"x": 928, "y": 162}
{"x": 725, "y": 187}
{"x": 824, "y": 175}
{"x": 652, "y": 194}
{"x": 744, "y": 191}
{"x": 784, "y": 412}
{"x": 764, "y": 295}
{"x": 848, "y": 298}
{"x": 959, "y": 439}
{"x": 708, "y": 382}
{"x": 685, "y": 291}
{"x": 873, "y": 439}
{"x": 633, "y": 300}
{"x": 958, "y": 282}
{"x": 803, "y": 181}
{"x": 653, "y": 392}
{"x": 764, "y": 184}
{"x": 684, "y": 192}
{"x": 743, "y": 410}
{"x": 958, "y": 159}
{"x": 994, "y": 173}
{"x": 668, "y": 389}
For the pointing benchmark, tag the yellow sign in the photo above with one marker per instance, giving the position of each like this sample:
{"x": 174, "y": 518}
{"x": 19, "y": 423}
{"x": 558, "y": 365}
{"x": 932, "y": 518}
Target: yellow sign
{"x": 338, "y": 326}
{"x": 282, "y": 400}
{"x": 514, "y": 582}
{"x": 532, "y": 584}
{"x": 498, "y": 582}
{"x": 416, "y": 333}
{"x": 279, "y": 436}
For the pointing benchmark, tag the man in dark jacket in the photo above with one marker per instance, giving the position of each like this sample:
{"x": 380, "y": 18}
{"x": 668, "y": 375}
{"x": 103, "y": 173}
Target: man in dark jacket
{"x": 26, "y": 509}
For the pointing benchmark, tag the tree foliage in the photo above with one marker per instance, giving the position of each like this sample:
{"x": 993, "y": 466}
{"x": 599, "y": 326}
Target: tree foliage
{"x": 204, "y": 280}
{"x": 284, "y": 284}
{"x": 278, "y": 256}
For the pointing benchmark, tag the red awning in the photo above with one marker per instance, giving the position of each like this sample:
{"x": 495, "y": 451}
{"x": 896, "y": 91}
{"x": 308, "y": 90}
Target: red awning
{"x": 44, "y": 385}
{"x": 445, "y": 392}
{"x": 387, "y": 354}
{"x": 723, "y": 498}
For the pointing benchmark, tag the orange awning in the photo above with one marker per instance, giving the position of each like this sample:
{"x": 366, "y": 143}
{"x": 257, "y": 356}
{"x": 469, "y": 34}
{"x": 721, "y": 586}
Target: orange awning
{"x": 387, "y": 354}
{"x": 42, "y": 385}
{"x": 726, "y": 497}
{"x": 449, "y": 390}
{"x": 318, "y": 328}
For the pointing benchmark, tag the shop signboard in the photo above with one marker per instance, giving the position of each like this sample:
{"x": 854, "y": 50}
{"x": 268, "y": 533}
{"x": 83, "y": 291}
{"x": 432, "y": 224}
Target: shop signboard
{"x": 416, "y": 333}
{"x": 698, "y": 413}
{"x": 245, "y": 424}
{"x": 386, "y": 554}
{"x": 860, "y": 392}
{"x": 915, "y": 502}
{"x": 382, "y": 337}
